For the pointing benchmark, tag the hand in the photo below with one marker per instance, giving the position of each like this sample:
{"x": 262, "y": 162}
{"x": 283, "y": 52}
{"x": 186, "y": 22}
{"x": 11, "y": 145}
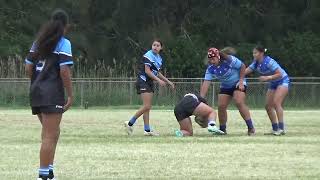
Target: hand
{"x": 241, "y": 86}
{"x": 68, "y": 104}
{"x": 171, "y": 85}
{"x": 161, "y": 83}
{"x": 264, "y": 78}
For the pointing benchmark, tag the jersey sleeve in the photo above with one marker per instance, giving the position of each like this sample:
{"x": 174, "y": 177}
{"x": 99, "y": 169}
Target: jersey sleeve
{"x": 208, "y": 75}
{"x": 273, "y": 65}
{"x": 146, "y": 61}
{"x": 235, "y": 62}
{"x": 31, "y": 55}
{"x": 65, "y": 53}
{"x": 253, "y": 65}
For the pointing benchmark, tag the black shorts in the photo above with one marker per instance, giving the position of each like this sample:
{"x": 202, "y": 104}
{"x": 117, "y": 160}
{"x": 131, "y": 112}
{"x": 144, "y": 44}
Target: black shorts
{"x": 185, "y": 107}
{"x": 47, "y": 109}
{"x": 230, "y": 91}
{"x": 144, "y": 86}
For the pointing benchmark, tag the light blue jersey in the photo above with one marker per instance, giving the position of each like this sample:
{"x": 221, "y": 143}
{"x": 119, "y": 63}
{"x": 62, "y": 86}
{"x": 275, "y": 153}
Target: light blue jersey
{"x": 154, "y": 61}
{"x": 268, "y": 67}
{"x": 228, "y": 72}
{"x": 63, "y": 49}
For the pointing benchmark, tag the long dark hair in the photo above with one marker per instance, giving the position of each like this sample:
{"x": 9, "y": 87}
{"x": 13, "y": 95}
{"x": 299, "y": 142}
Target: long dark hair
{"x": 50, "y": 34}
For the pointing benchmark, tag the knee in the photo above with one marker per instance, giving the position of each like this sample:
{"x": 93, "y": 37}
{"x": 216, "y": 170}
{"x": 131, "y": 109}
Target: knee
{"x": 222, "y": 107}
{"x": 269, "y": 106}
{"x": 239, "y": 104}
{"x": 147, "y": 107}
{"x": 52, "y": 135}
{"x": 277, "y": 105}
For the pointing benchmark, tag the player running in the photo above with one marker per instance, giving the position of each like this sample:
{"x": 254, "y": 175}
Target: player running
{"x": 149, "y": 71}
{"x": 230, "y": 71}
{"x": 278, "y": 89}
{"x": 48, "y": 66}
{"x": 192, "y": 104}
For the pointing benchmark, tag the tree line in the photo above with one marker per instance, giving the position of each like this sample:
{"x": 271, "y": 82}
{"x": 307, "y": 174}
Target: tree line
{"x": 110, "y": 37}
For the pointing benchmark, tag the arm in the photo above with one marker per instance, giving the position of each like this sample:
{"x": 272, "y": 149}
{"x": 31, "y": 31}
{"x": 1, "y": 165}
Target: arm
{"x": 248, "y": 71}
{"x": 204, "y": 88}
{"x": 276, "y": 75}
{"x": 161, "y": 76}
{"x": 28, "y": 68}
{"x": 242, "y": 76}
{"x": 152, "y": 76}
{"x": 29, "y": 62}
{"x": 65, "y": 74}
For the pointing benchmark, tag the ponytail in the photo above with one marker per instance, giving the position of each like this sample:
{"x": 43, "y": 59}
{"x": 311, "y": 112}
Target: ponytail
{"x": 229, "y": 51}
{"x": 51, "y": 33}
{"x": 261, "y": 48}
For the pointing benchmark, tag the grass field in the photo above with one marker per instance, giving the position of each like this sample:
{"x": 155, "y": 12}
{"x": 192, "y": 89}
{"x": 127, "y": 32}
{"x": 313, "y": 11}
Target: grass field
{"x": 93, "y": 145}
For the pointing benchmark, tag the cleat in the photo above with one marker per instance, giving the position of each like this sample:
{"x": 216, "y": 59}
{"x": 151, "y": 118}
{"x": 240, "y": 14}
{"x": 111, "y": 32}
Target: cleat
{"x": 282, "y": 132}
{"x": 215, "y": 130}
{"x": 151, "y": 133}
{"x": 251, "y": 132}
{"x": 42, "y": 178}
{"x": 178, "y": 133}
{"x": 275, "y": 133}
{"x": 128, "y": 129}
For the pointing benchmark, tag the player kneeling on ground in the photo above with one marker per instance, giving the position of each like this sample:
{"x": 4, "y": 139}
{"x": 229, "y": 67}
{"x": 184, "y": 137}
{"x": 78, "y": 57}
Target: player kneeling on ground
{"x": 192, "y": 104}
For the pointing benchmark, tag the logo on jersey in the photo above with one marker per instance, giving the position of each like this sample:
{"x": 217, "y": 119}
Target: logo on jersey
{"x": 40, "y": 66}
{"x": 59, "y": 107}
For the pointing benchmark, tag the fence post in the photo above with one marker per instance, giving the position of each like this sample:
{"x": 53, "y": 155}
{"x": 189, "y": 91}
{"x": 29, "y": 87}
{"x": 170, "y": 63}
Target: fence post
{"x": 81, "y": 94}
{"x": 213, "y": 93}
{"x": 131, "y": 90}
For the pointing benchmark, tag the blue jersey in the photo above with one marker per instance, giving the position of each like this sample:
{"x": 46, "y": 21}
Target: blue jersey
{"x": 268, "y": 67}
{"x": 63, "y": 49}
{"x": 154, "y": 61}
{"x": 228, "y": 72}
{"x": 46, "y": 84}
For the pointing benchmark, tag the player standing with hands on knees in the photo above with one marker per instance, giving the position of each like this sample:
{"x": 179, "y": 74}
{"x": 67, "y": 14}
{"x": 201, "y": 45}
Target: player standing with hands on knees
{"x": 278, "y": 89}
{"x": 230, "y": 71}
{"x": 149, "y": 71}
{"x": 48, "y": 66}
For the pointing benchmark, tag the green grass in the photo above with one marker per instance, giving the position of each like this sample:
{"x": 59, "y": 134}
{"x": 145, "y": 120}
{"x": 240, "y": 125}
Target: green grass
{"x": 93, "y": 145}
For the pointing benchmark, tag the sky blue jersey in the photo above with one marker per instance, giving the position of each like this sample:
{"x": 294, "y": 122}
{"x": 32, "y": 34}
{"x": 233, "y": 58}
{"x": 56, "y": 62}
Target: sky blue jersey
{"x": 268, "y": 67}
{"x": 227, "y": 72}
{"x": 154, "y": 61}
{"x": 63, "y": 49}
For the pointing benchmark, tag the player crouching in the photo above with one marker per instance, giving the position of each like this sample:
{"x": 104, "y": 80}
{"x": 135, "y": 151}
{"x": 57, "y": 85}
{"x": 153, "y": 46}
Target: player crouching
{"x": 192, "y": 104}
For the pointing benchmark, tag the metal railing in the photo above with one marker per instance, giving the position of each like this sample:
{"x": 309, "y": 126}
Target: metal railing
{"x": 121, "y": 91}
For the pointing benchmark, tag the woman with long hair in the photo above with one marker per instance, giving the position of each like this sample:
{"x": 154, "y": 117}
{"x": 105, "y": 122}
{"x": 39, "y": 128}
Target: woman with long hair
{"x": 230, "y": 71}
{"x": 149, "y": 71}
{"x": 48, "y": 66}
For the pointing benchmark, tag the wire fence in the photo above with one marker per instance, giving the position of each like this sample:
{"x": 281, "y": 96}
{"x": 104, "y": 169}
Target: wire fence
{"x": 304, "y": 92}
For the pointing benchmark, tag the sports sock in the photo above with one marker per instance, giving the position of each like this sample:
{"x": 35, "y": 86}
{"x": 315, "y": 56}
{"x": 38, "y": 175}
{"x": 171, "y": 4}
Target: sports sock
{"x": 43, "y": 171}
{"x": 275, "y": 126}
{"x": 249, "y": 123}
{"x": 132, "y": 121}
{"x": 211, "y": 122}
{"x": 281, "y": 125}
{"x": 147, "y": 128}
{"x": 223, "y": 127}
{"x": 51, "y": 175}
